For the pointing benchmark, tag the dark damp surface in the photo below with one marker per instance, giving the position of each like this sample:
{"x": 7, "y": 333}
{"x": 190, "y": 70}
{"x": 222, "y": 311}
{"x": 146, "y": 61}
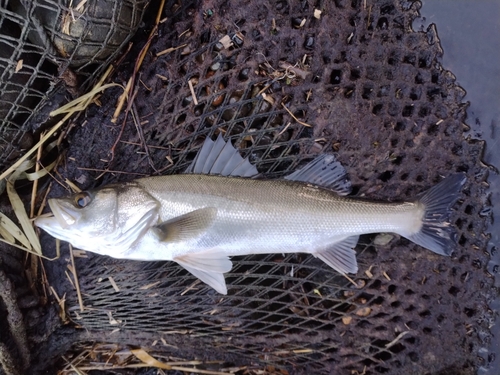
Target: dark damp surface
{"x": 377, "y": 97}
{"x": 468, "y": 32}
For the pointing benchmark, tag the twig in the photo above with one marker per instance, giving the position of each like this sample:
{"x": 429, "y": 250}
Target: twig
{"x": 351, "y": 280}
{"x": 69, "y": 277}
{"x": 121, "y": 101}
{"x": 196, "y": 282}
{"x": 113, "y": 284}
{"x": 44, "y": 200}
{"x": 75, "y": 276}
{"x": 45, "y": 282}
{"x": 110, "y": 171}
{"x": 399, "y": 337}
{"x": 191, "y": 88}
{"x": 138, "y": 126}
{"x": 35, "y": 183}
{"x": 124, "y": 122}
{"x": 286, "y": 127}
{"x": 295, "y": 118}
{"x": 150, "y": 146}
{"x": 171, "y": 49}
{"x": 60, "y": 302}
{"x": 73, "y": 367}
{"x": 131, "y": 82}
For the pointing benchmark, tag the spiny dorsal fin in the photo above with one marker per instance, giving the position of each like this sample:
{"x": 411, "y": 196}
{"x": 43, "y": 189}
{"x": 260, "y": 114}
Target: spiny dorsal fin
{"x": 186, "y": 226}
{"x": 221, "y": 158}
{"x": 340, "y": 255}
{"x": 324, "y": 171}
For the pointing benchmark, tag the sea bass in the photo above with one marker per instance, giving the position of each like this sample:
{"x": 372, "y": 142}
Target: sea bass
{"x": 217, "y": 210}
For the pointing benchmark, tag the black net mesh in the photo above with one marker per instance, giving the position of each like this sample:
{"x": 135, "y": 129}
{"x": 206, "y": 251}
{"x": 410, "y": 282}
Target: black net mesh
{"x": 284, "y": 83}
{"x": 47, "y": 46}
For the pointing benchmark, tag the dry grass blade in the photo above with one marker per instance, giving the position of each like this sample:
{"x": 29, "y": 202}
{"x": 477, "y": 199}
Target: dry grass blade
{"x": 150, "y": 361}
{"x": 12, "y": 232}
{"x": 27, "y": 236}
{"x": 33, "y": 176}
{"x": 78, "y": 371}
{"x": 73, "y": 367}
{"x": 20, "y": 211}
{"x": 83, "y": 101}
{"x": 49, "y": 134}
{"x": 4, "y": 232}
{"x": 72, "y": 186}
{"x": 76, "y": 105}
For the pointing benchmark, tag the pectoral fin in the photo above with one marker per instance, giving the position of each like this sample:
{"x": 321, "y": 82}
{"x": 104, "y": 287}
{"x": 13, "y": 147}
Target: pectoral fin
{"x": 209, "y": 267}
{"x": 186, "y": 226}
{"x": 340, "y": 255}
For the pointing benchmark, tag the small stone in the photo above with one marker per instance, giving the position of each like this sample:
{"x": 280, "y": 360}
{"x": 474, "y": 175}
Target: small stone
{"x": 347, "y": 320}
{"x": 383, "y": 239}
{"x": 364, "y": 311}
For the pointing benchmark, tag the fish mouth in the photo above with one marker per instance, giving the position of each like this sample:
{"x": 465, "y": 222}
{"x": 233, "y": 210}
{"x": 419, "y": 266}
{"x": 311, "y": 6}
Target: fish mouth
{"x": 65, "y": 216}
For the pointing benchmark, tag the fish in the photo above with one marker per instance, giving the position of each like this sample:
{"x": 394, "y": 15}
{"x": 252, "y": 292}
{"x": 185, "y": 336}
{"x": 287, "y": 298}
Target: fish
{"x": 221, "y": 207}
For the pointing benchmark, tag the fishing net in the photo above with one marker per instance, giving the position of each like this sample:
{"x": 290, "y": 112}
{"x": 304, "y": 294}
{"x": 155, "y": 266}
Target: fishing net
{"x": 284, "y": 81}
{"x": 48, "y": 48}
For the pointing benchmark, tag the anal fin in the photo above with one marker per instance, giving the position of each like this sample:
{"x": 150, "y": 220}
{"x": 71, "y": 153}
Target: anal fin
{"x": 213, "y": 279}
{"x": 209, "y": 267}
{"x": 341, "y": 255}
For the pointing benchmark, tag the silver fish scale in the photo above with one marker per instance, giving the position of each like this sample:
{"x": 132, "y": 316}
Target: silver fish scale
{"x": 259, "y": 216}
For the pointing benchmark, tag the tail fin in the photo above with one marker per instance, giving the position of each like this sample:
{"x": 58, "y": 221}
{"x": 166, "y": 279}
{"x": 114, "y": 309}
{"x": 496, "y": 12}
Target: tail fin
{"x": 437, "y": 234}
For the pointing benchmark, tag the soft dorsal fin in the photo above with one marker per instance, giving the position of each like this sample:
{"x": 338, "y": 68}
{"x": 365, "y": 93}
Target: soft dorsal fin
{"x": 186, "y": 226}
{"x": 221, "y": 158}
{"x": 324, "y": 171}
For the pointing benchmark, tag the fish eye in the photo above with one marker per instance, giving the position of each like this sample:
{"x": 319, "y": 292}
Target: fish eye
{"x": 82, "y": 199}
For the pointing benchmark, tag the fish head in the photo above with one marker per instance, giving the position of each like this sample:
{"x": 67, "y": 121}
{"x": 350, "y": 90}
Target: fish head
{"x": 107, "y": 221}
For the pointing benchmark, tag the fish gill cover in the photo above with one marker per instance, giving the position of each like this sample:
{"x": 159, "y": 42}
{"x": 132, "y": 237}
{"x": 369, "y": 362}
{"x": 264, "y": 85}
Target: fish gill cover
{"x": 353, "y": 79}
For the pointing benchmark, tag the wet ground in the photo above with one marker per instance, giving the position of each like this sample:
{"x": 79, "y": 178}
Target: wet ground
{"x": 376, "y": 97}
{"x": 366, "y": 74}
{"x": 468, "y": 31}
